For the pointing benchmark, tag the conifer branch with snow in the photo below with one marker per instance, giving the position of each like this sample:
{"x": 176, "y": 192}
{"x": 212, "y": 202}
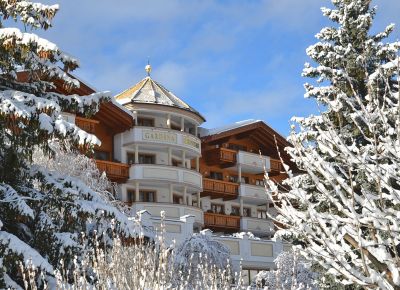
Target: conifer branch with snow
{"x": 45, "y": 210}
{"x": 344, "y": 208}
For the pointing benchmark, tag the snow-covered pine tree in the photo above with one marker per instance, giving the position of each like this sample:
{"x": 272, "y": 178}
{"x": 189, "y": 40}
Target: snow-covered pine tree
{"x": 42, "y": 212}
{"x": 344, "y": 208}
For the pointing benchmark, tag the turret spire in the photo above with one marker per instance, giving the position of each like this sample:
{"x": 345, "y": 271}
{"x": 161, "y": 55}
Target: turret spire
{"x": 148, "y": 67}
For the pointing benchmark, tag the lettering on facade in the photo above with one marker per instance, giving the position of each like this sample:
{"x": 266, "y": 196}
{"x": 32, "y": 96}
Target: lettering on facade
{"x": 159, "y": 136}
{"x": 191, "y": 142}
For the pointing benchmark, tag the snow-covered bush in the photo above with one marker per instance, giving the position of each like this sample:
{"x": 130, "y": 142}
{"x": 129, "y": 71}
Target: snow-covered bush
{"x": 199, "y": 250}
{"x": 344, "y": 208}
{"x": 142, "y": 264}
{"x": 292, "y": 273}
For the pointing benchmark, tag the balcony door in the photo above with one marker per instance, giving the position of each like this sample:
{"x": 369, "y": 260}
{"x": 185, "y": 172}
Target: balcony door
{"x": 147, "y": 159}
{"x": 218, "y": 208}
{"x": 144, "y": 196}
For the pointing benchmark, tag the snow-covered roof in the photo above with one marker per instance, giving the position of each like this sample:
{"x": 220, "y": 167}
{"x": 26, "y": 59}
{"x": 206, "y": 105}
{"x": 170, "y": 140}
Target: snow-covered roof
{"x": 213, "y": 131}
{"x": 150, "y": 91}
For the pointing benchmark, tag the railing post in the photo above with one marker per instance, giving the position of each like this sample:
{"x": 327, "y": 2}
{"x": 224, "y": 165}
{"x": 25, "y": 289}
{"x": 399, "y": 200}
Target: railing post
{"x": 136, "y": 191}
{"x": 136, "y": 154}
{"x": 239, "y": 173}
{"x": 169, "y": 156}
{"x": 171, "y": 193}
{"x": 198, "y": 199}
{"x": 182, "y": 124}
{"x": 184, "y": 195}
{"x": 169, "y": 121}
{"x": 183, "y": 159}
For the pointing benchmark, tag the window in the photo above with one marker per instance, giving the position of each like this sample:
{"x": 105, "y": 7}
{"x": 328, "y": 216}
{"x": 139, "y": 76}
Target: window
{"x": 175, "y": 127}
{"x": 249, "y": 275}
{"x": 233, "y": 178}
{"x": 176, "y": 162}
{"x": 101, "y": 155}
{"x": 147, "y": 196}
{"x": 260, "y": 182}
{"x": 130, "y": 196}
{"x": 217, "y": 208}
{"x": 261, "y": 214}
{"x": 216, "y": 175}
{"x": 147, "y": 159}
{"x": 192, "y": 130}
{"x": 130, "y": 157}
{"x": 235, "y": 211}
{"x": 246, "y": 212}
{"x": 177, "y": 199}
{"x": 244, "y": 179}
{"x": 144, "y": 196}
{"x": 146, "y": 122}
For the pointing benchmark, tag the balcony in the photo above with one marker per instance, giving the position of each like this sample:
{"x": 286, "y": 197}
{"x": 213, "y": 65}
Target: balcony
{"x": 276, "y": 167}
{"x": 258, "y": 226}
{"x": 253, "y": 194}
{"x": 253, "y": 163}
{"x": 162, "y": 136}
{"x": 116, "y": 172}
{"x": 220, "y": 189}
{"x": 88, "y": 125}
{"x": 169, "y": 174}
{"x": 172, "y": 211}
{"x": 221, "y": 221}
{"x": 253, "y": 252}
{"x": 220, "y": 156}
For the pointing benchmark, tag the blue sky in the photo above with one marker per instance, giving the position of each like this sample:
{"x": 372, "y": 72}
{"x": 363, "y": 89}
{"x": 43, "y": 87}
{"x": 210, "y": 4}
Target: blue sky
{"x": 230, "y": 59}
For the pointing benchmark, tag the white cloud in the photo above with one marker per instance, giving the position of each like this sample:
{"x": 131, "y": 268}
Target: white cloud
{"x": 198, "y": 48}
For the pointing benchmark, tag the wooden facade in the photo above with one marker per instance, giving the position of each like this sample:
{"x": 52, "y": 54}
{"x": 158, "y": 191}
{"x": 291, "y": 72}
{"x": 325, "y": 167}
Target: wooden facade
{"x": 105, "y": 124}
{"x": 108, "y": 121}
{"x": 219, "y": 166}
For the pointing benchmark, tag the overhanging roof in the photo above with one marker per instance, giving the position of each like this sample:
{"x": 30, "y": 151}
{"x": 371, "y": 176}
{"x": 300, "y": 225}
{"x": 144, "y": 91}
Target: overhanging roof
{"x": 255, "y": 130}
{"x": 110, "y": 113}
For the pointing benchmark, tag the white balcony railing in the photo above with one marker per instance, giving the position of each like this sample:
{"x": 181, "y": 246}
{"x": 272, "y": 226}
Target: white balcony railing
{"x": 162, "y": 136}
{"x": 253, "y": 192}
{"x": 255, "y": 161}
{"x": 157, "y": 173}
{"x": 252, "y": 252}
{"x": 255, "y": 225}
{"x": 172, "y": 211}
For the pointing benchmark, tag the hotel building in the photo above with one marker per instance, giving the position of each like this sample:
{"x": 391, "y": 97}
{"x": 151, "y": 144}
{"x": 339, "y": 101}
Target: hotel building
{"x": 162, "y": 160}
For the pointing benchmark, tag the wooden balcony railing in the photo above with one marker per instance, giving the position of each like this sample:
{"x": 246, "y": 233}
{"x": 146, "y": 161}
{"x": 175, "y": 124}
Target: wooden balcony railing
{"x": 89, "y": 125}
{"x": 220, "y": 189}
{"x": 227, "y": 155}
{"x": 221, "y": 221}
{"x": 220, "y": 156}
{"x": 116, "y": 172}
{"x": 276, "y": 166}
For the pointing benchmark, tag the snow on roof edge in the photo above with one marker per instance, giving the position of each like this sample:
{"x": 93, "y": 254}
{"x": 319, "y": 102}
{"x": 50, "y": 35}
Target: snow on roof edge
{"x": 218, "y": 130}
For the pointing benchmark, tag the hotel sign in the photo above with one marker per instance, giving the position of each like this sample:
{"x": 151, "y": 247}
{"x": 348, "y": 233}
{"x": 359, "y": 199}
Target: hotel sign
{"x": 159, "y": 136}
{"x": 191, "y": 142}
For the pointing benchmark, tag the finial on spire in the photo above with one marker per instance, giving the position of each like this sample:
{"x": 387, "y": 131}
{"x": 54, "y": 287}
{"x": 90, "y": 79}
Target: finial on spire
{"x": 148, "y": 67}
